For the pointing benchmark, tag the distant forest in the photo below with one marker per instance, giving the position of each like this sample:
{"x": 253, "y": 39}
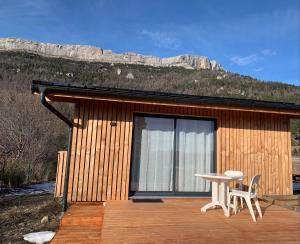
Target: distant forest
{"x": 31, "y": 136}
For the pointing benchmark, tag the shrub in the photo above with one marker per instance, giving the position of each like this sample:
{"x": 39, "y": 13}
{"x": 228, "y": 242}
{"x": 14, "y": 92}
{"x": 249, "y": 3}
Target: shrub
{"x": 13, "y": 174}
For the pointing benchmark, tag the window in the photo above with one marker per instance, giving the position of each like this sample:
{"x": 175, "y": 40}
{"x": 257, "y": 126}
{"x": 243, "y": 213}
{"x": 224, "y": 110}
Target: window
{"x": 167, "y": 152}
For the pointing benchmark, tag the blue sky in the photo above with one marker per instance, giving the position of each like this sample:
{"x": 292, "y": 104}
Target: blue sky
{"x": 259, "y": 38}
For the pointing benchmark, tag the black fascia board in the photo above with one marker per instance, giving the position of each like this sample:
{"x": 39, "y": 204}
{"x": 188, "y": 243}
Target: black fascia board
{"x": 88, "y": 90}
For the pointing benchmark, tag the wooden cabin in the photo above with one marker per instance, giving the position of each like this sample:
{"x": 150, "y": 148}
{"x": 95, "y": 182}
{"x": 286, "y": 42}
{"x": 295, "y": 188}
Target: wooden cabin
{"x": 127, "y": 143}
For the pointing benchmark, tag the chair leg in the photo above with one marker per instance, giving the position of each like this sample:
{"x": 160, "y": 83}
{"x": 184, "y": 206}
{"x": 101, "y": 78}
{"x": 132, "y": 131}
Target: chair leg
{"x": 248, "y": 201}
{"x": 228, "y": 204}
{"x": 235, "y": 204}
{"x": 242, "y": 202}
{"x": 258, "y": 207}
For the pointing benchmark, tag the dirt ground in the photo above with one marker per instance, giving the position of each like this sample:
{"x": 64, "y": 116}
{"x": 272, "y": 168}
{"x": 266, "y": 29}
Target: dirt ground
{"x": 20, "y": 215}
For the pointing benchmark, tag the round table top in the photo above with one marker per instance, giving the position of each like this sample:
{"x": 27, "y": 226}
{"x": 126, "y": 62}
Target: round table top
{"x": 217, "y": 176}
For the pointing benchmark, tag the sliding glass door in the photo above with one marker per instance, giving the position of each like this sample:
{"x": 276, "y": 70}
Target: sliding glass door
{"x": 195, "y": 149}
{"x": 152, "y": 168}
{"x": 167, "y": 152}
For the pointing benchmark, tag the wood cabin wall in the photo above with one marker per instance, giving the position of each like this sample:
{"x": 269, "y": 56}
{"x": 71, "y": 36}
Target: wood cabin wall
{"x": 255, "y": 143}
{"x": 60, "y": 173}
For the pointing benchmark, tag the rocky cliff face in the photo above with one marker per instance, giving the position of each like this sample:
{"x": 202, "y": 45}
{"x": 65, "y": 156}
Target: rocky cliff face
{"x": 90, "y": 53}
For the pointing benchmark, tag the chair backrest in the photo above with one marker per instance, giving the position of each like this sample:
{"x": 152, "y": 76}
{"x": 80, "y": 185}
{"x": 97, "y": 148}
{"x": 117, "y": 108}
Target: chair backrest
{"x": 234, "y": 173}
{"x": 253, "y": 187}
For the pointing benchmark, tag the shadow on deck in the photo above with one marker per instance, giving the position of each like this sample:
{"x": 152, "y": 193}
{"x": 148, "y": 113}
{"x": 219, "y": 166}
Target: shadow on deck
{"x": 175, "y": 221}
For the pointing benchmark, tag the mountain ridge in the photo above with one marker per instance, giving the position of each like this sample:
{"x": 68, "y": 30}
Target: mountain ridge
{"x": 95, "y": 54}
{"x": 20, "y": 67}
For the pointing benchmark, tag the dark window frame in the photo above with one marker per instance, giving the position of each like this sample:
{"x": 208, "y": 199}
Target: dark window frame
{"x": 172, "y": 193}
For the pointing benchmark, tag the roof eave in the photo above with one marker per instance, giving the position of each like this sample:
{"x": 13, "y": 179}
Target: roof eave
{"x": 87, "y": 92}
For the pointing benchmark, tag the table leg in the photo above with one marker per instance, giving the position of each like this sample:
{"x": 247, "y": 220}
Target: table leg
{"x": 223, "y": 194}
{"x": 207, "y": 206}
{"x": 215, "y": 191}
{"x": 215, "y": 197}
{"x": 225, "y": 209}
{"x": 220, "y": 195}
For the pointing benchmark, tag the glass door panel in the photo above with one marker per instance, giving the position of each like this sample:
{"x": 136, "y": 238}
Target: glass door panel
{"x": 168, "y": 152}
{"x": 194, "y": 151}
{"x": 153, "y": 154}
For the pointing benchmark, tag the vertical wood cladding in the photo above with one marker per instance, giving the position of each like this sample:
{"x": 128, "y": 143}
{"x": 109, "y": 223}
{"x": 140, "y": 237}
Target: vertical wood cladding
{"x": 60, "y": 173}
{"x": 255, "y": 143}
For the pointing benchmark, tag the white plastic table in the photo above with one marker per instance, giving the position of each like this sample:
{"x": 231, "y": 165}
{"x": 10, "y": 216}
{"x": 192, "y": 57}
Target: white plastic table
{"x": 220, "y": 189}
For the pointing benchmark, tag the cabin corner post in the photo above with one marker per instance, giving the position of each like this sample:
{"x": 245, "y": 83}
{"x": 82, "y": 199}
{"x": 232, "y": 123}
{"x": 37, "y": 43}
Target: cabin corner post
{"x": 70, "y": 125}
{"x": 67, "y": 174}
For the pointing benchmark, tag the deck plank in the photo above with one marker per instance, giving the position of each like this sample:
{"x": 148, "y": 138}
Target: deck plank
{"x": 180, "y": 221}
{"x": 80, "y": 224}
{"x": 174, "y": 221}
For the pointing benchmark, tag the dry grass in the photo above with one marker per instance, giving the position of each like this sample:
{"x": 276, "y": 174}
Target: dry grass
{"x": 23, "y": 214}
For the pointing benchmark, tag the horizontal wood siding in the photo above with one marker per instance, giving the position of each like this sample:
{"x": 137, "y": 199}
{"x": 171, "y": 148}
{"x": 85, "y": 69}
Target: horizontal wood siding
{"x": 255, "y": 143}
{"x": 60, "y": 173}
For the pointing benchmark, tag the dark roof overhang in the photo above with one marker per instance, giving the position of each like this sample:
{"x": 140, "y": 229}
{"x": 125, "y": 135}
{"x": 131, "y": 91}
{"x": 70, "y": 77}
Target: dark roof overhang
{"x": 87, "y": 91}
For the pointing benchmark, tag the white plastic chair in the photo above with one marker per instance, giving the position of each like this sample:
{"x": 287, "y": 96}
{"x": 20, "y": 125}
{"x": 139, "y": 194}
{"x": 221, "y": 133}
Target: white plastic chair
{"x": 236, "y": 173}
{"x": 247, "y": 195}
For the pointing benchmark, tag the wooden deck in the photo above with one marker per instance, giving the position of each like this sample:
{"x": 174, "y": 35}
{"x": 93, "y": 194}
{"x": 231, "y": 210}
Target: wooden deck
{"x": 81, "y": 224}
{"x": 177, "y": 221}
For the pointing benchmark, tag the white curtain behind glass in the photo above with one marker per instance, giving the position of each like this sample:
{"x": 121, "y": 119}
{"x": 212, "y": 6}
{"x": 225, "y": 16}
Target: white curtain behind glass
{"x": 156, "y": 155}
{"x": 194, "y": 154}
